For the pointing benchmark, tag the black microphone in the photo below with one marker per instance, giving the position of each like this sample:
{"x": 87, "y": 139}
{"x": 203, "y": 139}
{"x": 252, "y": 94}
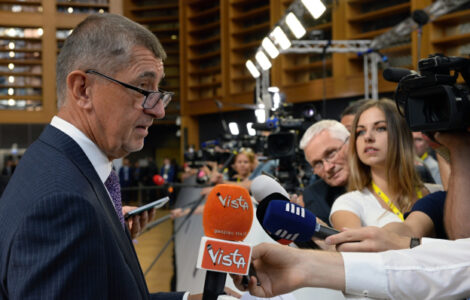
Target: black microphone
{"x": 396, "y": 74}
{"x": 420, "y": 17}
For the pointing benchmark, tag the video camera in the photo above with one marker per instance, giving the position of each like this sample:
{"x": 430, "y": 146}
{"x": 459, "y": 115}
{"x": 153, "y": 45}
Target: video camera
{"x": 283, "y": 144}
{"x": 432, "y": 101}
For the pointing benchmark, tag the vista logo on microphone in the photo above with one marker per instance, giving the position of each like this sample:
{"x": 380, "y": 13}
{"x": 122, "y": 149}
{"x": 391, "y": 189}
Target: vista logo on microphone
{"x": 224, "y": 256}
{"x": 227, "y": 201}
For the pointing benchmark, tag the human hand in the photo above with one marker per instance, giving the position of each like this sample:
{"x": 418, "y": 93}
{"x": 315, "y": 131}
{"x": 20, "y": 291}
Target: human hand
{"x": 367, "y": 239}
{"x": 136, "y": 224}
{"x": 177, "y": 213}
{"x": 297, "y": 199}
{"x": 279, "y": 270}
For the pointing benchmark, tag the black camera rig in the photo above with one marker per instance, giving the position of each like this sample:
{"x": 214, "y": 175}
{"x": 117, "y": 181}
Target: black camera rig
{"x": 432, "y": 100}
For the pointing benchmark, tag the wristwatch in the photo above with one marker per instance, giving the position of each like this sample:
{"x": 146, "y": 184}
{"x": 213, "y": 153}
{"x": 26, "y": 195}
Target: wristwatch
{"x": 415, "y": 242}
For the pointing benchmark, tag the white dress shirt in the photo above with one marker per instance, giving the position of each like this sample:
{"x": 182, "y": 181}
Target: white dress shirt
{"x": 437, "y": 269}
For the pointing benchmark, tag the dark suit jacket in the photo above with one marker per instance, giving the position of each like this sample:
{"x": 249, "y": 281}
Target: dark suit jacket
{"x": 60, "y": 236}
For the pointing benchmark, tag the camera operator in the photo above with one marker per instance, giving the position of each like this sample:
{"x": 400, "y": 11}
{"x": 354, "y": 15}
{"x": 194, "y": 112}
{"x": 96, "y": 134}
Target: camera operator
{"x": 436, "y": 269}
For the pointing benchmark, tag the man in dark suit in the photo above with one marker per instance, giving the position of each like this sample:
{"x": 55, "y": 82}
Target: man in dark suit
{"x": 63, "y": 234}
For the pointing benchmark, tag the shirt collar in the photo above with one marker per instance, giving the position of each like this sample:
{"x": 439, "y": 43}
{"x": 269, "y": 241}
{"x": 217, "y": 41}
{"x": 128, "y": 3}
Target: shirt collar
{"x": 97, "y": 158}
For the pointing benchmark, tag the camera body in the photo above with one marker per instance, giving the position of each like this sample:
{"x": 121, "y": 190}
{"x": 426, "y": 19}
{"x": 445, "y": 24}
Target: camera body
{"x": 432, "y": 101}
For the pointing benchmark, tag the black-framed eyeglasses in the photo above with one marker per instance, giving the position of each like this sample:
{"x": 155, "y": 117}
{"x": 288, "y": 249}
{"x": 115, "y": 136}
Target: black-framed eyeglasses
{"x": 329, "y": 157}
{"x": 151, "y": 97}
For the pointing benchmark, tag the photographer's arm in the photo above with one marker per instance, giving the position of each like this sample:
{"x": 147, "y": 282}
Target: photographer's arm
{"x": 457, "y": 206}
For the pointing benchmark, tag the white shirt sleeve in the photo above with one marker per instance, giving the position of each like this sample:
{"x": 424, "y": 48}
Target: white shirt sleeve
{"x": 437, "y": 269}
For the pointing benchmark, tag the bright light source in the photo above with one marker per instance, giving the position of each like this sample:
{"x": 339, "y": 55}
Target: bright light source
{"x": 11, "y": 54}
{"x": 252, "y": 68}
{"x": 276, "y": 101}
{"x": 101, "y": 11}
{"x": 11, "y": 66}
{"x": 280, "y": 38}
{"x": 40, "y": 31}
{"x": 273, "y": 89}
{"x": 70, "y": 10}
{"x": 11, "y": 45}
{"x": 268, "y": 45}
{"x": 260, "y": 115}
{"x": 233, "y": 126}
{"x": 263, "y": 60}
{"x": 11, "y": 91}
{"x": 11, "y": 79}
{"x": 11, "y": 102}
{"x": 11, "y": 32}
{"x": 250, "y": 129}
{"x": 315, "y": 7}
{"x": 295, "y": 26}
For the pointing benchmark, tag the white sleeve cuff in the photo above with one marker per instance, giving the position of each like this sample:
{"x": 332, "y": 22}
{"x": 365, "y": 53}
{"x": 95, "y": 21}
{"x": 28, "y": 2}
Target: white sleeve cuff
{"x": 185, "y": 296}
{"x": 365, "y": 275}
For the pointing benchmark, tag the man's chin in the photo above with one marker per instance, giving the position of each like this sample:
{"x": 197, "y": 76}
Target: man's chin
{"x": 134, "y": 148}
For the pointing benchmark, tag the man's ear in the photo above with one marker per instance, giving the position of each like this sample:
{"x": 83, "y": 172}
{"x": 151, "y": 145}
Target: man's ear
{"x": 78, "y": 89}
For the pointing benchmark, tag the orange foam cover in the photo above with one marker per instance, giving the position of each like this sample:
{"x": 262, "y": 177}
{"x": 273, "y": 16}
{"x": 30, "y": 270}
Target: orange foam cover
{"x": 228, "y": 213}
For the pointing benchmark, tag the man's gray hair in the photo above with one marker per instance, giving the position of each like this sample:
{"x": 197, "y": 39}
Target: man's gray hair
{"x": 335, "y": 128}
{"x": 103, "y": 42}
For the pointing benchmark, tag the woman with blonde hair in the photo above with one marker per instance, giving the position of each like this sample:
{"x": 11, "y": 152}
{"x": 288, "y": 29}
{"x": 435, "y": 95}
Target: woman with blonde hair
{"x": 383, "y": 183}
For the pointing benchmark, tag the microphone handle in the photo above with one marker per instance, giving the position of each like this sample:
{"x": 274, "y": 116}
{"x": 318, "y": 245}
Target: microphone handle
{"x": 325, "y": 231}
{"x": 214, "y": 285}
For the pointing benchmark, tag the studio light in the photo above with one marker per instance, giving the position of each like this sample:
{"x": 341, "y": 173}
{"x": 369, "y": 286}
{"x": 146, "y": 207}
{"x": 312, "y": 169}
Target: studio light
{"x": 315, "y": 7}
{"x": 280, "y": 38}
{"x": 295, "y": 26}
{"x": 252, "y": 68}
{"x": 233, "y": 126}
{"x": 263, "y": 60}
{"x": 250, "y": 129}
{"x": 260, "y": 115}
{"x": 269, "y": 47}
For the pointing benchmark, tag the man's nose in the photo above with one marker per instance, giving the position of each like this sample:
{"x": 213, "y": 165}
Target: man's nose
{"x": 157, "y": 112}
{"x": 328, "y": 166}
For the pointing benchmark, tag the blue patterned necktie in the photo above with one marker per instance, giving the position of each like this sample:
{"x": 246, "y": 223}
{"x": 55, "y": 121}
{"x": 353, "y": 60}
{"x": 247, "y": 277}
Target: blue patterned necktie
{"x": 114, "y": 189}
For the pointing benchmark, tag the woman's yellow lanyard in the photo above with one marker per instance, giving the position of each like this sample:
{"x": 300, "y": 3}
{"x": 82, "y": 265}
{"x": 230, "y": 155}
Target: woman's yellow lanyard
{"x": 424, "y": 156}
{"x": 390, "y": 204}
{"x": 384, "y": 197}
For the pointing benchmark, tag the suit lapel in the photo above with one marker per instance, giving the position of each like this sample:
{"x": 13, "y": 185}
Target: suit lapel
{"x": 63, "y": 143}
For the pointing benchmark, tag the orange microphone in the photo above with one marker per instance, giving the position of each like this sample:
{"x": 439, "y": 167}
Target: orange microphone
{"x": 227, "y": 219}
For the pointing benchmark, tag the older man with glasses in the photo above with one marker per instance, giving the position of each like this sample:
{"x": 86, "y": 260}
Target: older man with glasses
{"x": 62, "y": 226}
{"x": 325, "y": 146}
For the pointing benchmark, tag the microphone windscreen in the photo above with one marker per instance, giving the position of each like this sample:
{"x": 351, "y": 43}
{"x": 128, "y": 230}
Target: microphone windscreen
{"x": 289, "y": 221}
{"x": 396, "y": 74}
{"x": 158, "y": 179}
{"x": 228, "y": 213}
{"x": 264, "y": 185}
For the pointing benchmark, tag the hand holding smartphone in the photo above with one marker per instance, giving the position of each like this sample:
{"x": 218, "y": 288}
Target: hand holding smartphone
{"x": 155, "y": 204}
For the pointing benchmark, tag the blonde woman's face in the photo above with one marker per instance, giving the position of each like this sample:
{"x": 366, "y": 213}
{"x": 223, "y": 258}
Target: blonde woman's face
{"x": 372, "y": 137}
{"x": 242, "y": 165}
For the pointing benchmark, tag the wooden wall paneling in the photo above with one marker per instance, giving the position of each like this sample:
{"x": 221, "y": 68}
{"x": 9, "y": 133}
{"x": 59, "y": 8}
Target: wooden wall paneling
{"x": 50, "y": 16}
{"x": 249, "y": 22}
